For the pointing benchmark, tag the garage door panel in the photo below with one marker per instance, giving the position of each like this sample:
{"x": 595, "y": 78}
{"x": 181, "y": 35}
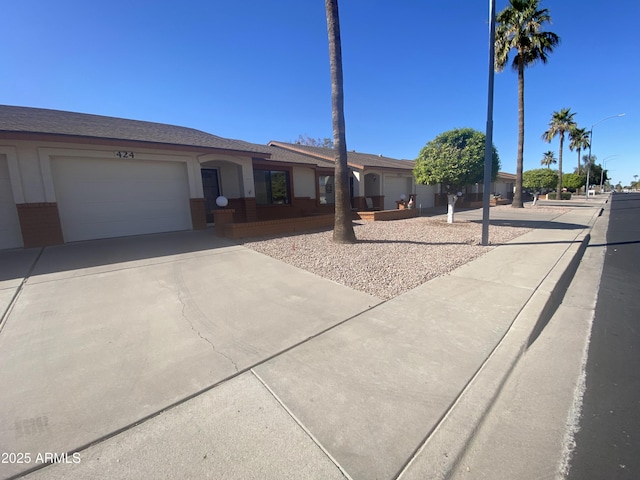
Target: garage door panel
{"x": 120, "y": 211}
{"x": 124, "y": 190}
{"x": 10, "y": 233}
{"x": 117, "y": 228}
{"x": 394, "y": 187}
{"x": 100, "y": 198}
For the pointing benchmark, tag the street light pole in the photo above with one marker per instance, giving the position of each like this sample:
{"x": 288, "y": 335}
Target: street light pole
{"x": 488, "y": 146}
{"x": 604, "y": 165}
{"x": 590, "y": 142}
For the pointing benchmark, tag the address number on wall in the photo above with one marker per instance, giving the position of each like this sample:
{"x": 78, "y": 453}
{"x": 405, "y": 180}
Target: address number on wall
{"x": 122, "y": 154}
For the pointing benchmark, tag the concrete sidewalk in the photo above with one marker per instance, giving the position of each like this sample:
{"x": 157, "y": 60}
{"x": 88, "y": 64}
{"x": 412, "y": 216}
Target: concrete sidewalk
{"x": 394, "y": 392}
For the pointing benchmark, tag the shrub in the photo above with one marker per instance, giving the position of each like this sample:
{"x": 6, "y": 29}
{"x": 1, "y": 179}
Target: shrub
{"x": 565, "y": 196}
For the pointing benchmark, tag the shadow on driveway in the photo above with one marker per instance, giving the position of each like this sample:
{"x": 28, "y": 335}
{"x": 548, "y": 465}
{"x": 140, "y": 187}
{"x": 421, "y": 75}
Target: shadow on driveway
{"x": 94, "y": 253}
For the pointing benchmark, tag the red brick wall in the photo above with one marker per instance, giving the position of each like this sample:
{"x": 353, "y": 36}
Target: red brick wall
{"x": 198, "y": 214}
{"x": 276, "y": 212}
{"x": 378, "y": 201}
{"x": 359, "y": 203}
{"x": 387, "y": 215}
{"x": 223, "y": 217}
{"x": 249, "y": 206}
{"x": 40, "y": 224}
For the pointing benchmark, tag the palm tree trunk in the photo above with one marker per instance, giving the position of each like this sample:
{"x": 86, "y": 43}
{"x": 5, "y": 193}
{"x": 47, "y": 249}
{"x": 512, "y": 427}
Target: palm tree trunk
{"x": 579, "y": 160}
{"x": 517, "y": 195}
{"x": 343, "y": 226}
{"x": 559, "y": 193}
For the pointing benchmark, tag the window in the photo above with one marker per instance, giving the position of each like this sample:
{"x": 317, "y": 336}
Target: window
{"x": 326, "y": 189}
{"x": 272, "y": 187}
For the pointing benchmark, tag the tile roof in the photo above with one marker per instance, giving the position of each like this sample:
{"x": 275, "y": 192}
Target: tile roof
{"x": 506, "y": 176}
{"x": 58, "y": 122}
{"x": 354, "y": 159}
{"x": 290, "y": 156}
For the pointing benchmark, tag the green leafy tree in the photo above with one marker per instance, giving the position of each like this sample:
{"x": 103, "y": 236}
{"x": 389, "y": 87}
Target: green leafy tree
{"x": 579, "y": 139}
{"x": 539, "y": 179}
{"x": 454, "y": 159}
{"x": 343, "y": 225}
{"x": 573, "y": 181}
{"x": 596, "y": 175}
{"x": 595, "y": 170}
{"x": 548, "y": 159}
{"x": 314, "y": 142}
{"x": 520, "y": 27}
{"x": 561, "y": 122}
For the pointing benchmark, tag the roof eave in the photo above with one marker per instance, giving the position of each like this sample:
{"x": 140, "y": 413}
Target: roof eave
{"x": 59, "y": 137}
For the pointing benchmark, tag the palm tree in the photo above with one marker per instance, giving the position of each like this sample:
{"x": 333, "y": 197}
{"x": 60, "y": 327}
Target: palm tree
{"x": 520, "y": 28}
{"x": 579, "y": 140}
{"x": 561, "y": 122}
{"x": 548, "y": 159}
{"x": 343, "y": 226}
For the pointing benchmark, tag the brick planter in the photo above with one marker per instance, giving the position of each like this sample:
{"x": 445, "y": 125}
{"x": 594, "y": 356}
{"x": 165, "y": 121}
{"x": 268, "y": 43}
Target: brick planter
{"x": 383, "y": 215}
{"x": 223, "y": 218}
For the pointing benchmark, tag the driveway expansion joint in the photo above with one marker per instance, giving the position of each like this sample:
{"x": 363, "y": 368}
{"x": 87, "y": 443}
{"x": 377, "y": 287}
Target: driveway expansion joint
{"x": 313, "y": 438}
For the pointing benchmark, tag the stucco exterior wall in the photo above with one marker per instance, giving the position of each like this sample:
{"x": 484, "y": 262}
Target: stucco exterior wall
{"x": 372, "y": 182}
{"x": 236, "y": 174}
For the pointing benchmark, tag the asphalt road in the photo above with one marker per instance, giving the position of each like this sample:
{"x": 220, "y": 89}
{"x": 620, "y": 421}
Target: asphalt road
{"x": 608, "y": 442}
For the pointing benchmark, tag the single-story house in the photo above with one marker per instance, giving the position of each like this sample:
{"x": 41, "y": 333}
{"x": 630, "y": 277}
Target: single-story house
{"x": 68, "y": 177}
{"x": 382, "y": 179}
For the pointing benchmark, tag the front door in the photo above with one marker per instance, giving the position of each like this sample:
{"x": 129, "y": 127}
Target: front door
{"x": 211, "y": 187}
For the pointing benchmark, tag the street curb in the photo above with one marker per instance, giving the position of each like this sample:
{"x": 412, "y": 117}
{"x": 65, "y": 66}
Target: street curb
{"x": 441, "y": 453}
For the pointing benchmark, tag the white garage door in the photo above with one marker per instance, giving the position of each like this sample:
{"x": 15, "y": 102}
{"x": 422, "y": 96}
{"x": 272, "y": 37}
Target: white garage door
{"x": 113, "y": 198}
{"x": 10, "y": 234}
{"x": 395, "y": 186}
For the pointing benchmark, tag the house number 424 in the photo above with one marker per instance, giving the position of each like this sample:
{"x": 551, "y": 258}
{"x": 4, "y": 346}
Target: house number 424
{"x": 121, "y": 154}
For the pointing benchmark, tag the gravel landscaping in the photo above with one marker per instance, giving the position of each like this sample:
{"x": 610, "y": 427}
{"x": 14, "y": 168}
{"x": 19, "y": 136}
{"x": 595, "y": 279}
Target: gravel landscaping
{"x": 390, "y": 257}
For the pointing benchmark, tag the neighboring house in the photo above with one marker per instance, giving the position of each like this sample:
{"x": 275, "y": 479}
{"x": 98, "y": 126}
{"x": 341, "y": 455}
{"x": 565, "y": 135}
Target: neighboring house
{"x": 379, "y": 178}
{"x": 504, "y": 185}
{"x": 472, "y": 195}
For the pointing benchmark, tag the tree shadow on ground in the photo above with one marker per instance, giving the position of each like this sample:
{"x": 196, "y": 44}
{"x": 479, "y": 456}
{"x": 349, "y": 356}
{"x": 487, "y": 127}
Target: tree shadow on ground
{"x": 413, "y": 242}
{"x": 535, "y": 224}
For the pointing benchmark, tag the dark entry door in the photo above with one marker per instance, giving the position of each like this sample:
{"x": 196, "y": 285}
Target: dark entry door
{"x": 211, "y": 187}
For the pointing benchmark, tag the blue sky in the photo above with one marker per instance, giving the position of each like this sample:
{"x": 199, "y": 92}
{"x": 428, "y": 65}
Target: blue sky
{"x": 259, "y": 71}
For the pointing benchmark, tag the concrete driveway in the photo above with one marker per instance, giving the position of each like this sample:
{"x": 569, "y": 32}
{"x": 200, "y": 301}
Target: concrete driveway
{"x": 99, "y": 335}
